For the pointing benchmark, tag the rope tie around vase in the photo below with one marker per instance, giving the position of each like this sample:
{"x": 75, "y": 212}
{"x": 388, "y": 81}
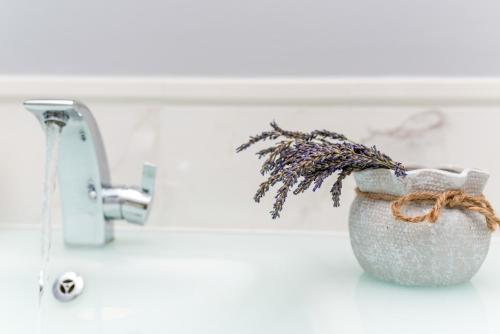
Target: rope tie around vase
{"x": 453, "y": 199}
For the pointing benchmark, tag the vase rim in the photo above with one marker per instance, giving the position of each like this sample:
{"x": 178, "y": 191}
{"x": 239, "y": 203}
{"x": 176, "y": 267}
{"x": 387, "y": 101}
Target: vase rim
{"x": 416, "y": 169}
{"x": 419, "y": 178}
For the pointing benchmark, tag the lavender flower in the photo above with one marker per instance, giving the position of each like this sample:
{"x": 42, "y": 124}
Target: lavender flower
{"x": 301, "y": 160}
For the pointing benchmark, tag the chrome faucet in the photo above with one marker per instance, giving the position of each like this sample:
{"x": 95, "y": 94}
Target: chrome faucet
{"x": 89, "y": 202}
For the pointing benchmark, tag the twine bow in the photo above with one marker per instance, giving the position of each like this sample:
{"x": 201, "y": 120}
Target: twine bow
{"x": 454, "y": 199}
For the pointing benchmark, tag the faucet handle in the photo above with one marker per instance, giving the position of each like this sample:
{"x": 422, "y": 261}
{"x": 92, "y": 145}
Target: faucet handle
{"x": 131, "y": 203}
{"x": 136, "y": 210}
{"x": 148, "y": 178}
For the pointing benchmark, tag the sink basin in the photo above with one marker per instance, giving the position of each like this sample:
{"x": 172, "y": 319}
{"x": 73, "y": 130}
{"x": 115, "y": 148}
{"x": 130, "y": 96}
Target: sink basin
{"x": 150, "y": 281}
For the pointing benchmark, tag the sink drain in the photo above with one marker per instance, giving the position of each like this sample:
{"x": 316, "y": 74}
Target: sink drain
{"x": 67, "y": 287}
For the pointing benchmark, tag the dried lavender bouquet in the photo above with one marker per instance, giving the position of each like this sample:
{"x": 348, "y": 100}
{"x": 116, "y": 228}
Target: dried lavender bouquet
{"x": 300, "y": 160}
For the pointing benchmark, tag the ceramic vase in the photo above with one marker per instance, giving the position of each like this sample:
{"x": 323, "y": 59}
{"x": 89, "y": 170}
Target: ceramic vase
{"x": 449, "y": 251}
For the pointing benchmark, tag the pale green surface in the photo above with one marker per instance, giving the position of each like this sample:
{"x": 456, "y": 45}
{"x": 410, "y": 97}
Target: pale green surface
{"x": 173, "y": 282}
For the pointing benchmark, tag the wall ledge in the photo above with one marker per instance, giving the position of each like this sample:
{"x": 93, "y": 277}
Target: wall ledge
{"x": 280, "y": 91}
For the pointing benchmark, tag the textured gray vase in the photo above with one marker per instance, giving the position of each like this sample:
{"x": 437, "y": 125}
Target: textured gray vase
{"x": 449, "y": 251}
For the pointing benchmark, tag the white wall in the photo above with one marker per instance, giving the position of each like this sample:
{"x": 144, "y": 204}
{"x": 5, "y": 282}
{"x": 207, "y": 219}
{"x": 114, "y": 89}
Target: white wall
{"x": 250, "y": 38}
{"x": 205, "y": 184}
{"x": 190, "y": 129}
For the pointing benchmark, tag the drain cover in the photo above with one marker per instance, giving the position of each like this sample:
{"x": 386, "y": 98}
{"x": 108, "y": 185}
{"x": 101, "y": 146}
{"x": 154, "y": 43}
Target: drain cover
{"x": 68, "y": 286}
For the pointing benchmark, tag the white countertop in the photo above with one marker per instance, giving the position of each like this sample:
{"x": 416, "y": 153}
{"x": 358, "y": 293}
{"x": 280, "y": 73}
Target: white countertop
{"x": 206, "y": 282}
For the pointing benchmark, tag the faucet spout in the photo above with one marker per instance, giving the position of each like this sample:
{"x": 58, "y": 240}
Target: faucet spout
{"x": 83, "y": 175}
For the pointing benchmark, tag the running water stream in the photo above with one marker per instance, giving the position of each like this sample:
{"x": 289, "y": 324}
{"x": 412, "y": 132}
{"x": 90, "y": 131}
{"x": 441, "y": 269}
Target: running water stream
{"x": 53, "y": 132}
